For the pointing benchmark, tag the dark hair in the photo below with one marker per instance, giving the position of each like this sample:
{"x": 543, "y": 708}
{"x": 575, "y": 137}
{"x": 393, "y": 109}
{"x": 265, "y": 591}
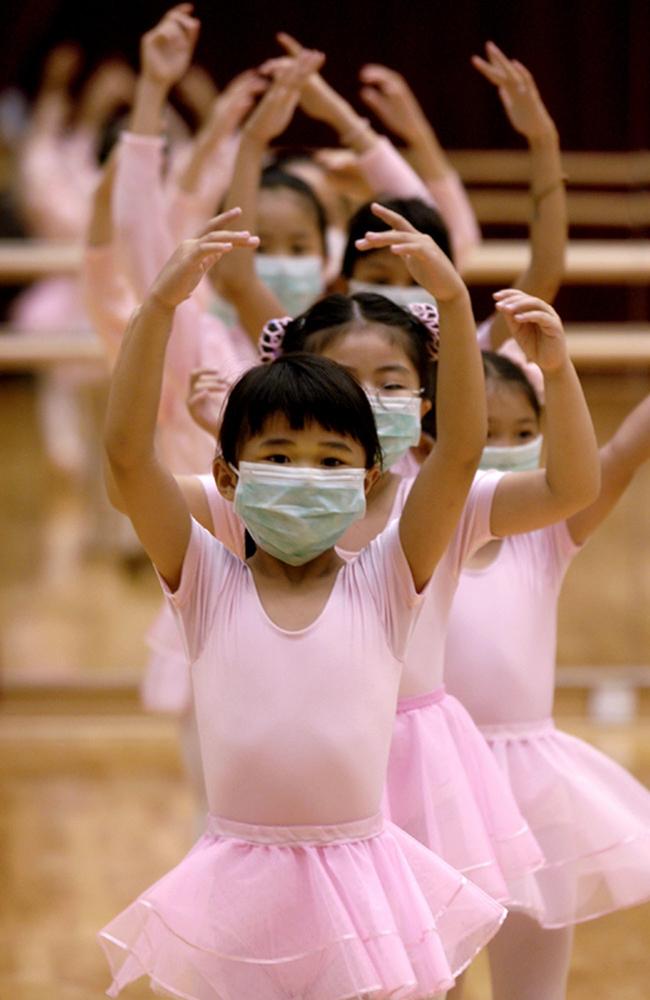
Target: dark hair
{"x": 274, "y": 177}
{"x": 327, "y": 320}
{"x": 306, "y": 389}
{"x": 424, "y": 217}
{"x": 502, "y": 369}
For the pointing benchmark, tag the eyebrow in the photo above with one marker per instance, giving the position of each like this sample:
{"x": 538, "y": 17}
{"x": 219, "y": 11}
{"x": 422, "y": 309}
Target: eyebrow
{"x": 392, "y": 368}
{"x": 284, "y": 442}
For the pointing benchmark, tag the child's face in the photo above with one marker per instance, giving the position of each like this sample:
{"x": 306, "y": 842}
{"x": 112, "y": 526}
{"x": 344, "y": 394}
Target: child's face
{"x": 381, "y": 267}
{"x": 286, "y": 225}
{"x": 377, "y": 361}
{"x": 312, "y": 447}
{"x": 511, "y": 418}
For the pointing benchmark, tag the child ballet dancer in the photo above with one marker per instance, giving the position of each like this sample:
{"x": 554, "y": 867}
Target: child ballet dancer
{"x": 298, "y": 887}
{"x": 591, "y": 818}
{"x": 443, "y": 787}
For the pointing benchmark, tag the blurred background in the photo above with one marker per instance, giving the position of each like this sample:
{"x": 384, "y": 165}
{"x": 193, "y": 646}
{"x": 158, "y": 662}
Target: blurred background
{"x": 93, "y": 802}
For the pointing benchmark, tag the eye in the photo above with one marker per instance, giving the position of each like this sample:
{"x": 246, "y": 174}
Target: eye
{"x": 331, "y": 462}
{"x": 297, "y": 250}
{"x": 277, "y": 459}
{"x": 525, "y": 435}
{"x": 393, "y": 387}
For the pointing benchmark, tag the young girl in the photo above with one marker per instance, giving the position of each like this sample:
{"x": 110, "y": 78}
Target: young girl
{"x": 592, "y": 819}
{"x": 298, "y": 888}
{"x": 443, "y": 787}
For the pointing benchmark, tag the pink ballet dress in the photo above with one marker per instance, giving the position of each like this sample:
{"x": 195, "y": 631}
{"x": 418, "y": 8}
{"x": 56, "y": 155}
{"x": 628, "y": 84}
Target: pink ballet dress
{"x": 443, "y": 786}
{"x": 591, "y": 818}
{"x": 299, "y": 888}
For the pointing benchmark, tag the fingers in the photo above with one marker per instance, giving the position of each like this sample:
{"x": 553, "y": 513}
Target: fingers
{"x": 374, "y": 99}
{"x": 393, "y": 219}
{"x": 218, "y": 221}
{"x": 289, "y": 43}
{"x": 388, "y": 238}
{"x": 380, "y": 76}
{"x": 516, "y": 303}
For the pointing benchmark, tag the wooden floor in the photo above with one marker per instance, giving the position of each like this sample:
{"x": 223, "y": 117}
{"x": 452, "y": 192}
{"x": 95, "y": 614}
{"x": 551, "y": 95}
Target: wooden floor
{"x": 93, "y": 803}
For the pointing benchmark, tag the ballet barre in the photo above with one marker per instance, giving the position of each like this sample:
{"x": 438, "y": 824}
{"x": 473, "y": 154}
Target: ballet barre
{"x": 493, "y": 262}
{"x": 593, "y": 347}
{"x": 583, "y": 169}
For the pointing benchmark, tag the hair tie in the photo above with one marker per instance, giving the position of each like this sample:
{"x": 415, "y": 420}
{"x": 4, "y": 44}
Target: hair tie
{"x": 269, "y": 346}
{"x": 427, "y": 314}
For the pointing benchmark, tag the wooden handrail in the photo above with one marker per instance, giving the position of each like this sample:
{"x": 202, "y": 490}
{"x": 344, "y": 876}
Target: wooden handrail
{"x": 511, "y": 166}
{"x": 618, "y": 262}
{"x": 593, "y": 346}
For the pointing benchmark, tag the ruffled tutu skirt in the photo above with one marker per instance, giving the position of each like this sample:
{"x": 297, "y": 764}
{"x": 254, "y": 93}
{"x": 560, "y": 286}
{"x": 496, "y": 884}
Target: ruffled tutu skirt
{"x": 591, "y": 818}
{"x": 444, "y": 789}
{"x": 166, "y": 686}
{"x": 358, "y": 910}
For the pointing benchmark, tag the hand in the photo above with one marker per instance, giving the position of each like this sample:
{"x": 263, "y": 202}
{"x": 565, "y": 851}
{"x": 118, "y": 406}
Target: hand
{"x": 190, "y": 261}
{"x": 206, "y": 397}
{"x": 536, "y": 327}
{"x": 110, "y": 87}
{"x": 518, "y": 93}
{"x": 166, "y": 51}
{"x": 276, "y": 109}
{"x": 62, "y": 64}
{"x": 234, "y": 103}
{"x": 427, "y": 264}
{"x": 318, "y": 99}
{"x": 387, "y": 93}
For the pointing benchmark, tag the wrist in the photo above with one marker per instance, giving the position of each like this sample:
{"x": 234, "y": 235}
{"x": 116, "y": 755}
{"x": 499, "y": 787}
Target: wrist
{"x": 546, "y": 138}
{"x": 156, "y": 304}
{"x": 455, "y": 298}
{"x": 254, "y": 144}
{"x": 557, "y": 371}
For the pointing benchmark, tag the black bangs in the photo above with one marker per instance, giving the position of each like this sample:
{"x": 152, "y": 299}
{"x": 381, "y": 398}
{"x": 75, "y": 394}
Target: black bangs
{"x": 423, "y": 216}
{"x": 305, "y": 389}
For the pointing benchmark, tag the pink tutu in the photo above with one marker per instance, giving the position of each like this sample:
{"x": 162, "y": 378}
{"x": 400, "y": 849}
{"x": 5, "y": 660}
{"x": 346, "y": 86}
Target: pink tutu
{"x": 316, "y": 913}
{"x": 591, "y": 818}
{"x": 443, "y": 788}
{"x": 166, "y": 686}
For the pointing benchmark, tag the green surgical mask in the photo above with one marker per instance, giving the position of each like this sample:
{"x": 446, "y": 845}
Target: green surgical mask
{"x": 398, "y": 424}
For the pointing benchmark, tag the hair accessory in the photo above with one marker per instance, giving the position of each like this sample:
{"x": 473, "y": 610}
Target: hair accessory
{"x": 427, "y": 314}
{"x": 269, "y": 346}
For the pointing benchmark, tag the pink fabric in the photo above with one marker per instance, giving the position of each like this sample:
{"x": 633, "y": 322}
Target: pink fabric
{"x": 387, "y": 172}
{"x": 57, "y": 175}
{"x": 166, "y": 686}
{"x": 510, "y": 646}
{"x": 250, "y": 700}
{"x": 108, "y": 297}
{"x": 320, "y": 913}
{"x": 187, "y": 211}
{"x": 198, "y": 340}
{"x": 590, "y": 817}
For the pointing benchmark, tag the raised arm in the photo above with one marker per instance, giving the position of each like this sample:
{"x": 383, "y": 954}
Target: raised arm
{"x": 620, "y": 459}
{"x": 150, "y": 494}
{"x": 140, "y": 208}
{"x": 255, "y": 302}
{"x": 388, "y": 94}
{"x": 440, "y": 490}
{"x": 548, "y": 228}
{"x": 525, "y": 501}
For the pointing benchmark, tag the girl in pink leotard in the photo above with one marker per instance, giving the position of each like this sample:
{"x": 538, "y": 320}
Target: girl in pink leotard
{"x": 592, "y": 819}
{"x": 299, "y": 887}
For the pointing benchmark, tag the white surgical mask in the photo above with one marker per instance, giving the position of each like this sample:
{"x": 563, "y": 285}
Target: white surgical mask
{"x": 513, "y": 458}
{"x": 297, "y": 281}
{"x": 296, "y": 513}
{"x": 398, "y": 424}
{"x": 401, "y": 295}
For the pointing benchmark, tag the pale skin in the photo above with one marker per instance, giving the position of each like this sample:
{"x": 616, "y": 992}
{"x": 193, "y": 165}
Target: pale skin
{"x": 155, "y": 503}
{"x": 548, "y": 229}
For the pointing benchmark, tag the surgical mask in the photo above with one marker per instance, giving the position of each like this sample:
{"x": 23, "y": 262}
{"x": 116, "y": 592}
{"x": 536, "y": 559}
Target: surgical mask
{"x": 296, "y": 513}
{"x": 335, "y": 241}
{"x": 297, "y": 281}
{"x": 515, "y": 458}
{"x": 398, "y": 425}
{"x": 401, "y": 295}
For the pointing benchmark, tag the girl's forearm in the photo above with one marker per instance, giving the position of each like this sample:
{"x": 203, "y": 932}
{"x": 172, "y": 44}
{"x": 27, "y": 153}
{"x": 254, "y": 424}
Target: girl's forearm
{"x": 572, "y": 462}
{"x": 148, "y": 105}
{"x": 549, "y": 230}
{"x": 136, "y": 385}
{"x": 460, "y": 393}
{"x": 238, "y": 270}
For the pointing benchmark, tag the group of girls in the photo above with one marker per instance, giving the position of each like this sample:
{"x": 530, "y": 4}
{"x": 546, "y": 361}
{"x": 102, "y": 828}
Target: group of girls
{"x": 364, "y": 611}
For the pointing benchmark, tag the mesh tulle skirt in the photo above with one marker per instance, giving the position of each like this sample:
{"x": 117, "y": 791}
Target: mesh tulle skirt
{"x": 591, "y": 818}
{"x": 359, "y": 910}
{"x": 445, "y": 789}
